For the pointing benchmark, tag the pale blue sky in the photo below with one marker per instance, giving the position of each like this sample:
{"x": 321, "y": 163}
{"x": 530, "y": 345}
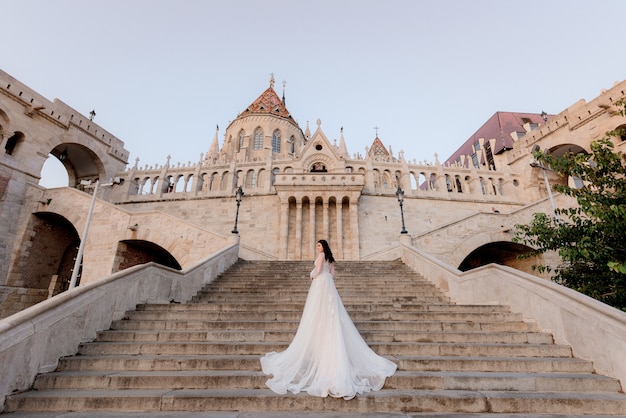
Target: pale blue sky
{"x": 162, "y": 74}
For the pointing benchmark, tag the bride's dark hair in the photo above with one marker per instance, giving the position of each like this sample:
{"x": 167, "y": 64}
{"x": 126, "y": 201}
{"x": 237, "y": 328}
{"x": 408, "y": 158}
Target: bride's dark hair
{"x": 328, "y": 254}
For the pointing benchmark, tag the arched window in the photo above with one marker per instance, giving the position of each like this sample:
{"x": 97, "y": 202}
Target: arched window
{"x": 240, "y": 141}
{"x": 292, "y": 143}
{"x": 250, "y": 180}
{"x": 276, "y": 141}
{"x": 458, "y": 184}
{"x": 12, "y": 142}
{"x": 258, "y": 139}
{"x": 621, "y": 130}
{"x": 274, "y": 174}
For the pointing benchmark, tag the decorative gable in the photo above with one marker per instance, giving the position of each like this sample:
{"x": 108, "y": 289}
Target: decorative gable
{"x": 378, "y": 148}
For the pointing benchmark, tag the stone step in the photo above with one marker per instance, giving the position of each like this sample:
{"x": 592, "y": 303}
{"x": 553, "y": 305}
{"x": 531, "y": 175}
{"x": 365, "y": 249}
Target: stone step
{"x": 291, "y": 297}
{"x": 386, "y": 401}
{"x": 416, "y": 326}
{"x": 203, "y": 358}
{"x": 278, "y": 314}
{"x": 297, "y": 306}
{"x": 243, "y": 379}
{"x": 261, "y": 334}
{"x": 154, "y": 362}
{"x": 289, "y": 414}
{"x": 382, "y": 348}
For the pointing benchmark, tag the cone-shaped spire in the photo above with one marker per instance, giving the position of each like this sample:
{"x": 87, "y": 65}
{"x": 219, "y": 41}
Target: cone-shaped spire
{"x": 343, "y": 151}
{"x": 214, "y": 149}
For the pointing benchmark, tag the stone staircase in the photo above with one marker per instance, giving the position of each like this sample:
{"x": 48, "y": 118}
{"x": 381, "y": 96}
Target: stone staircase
{"x": 202, "y": 358}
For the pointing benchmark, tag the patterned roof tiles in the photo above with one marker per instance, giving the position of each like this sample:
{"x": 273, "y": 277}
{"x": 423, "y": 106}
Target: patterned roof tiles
{"x": 267, "y": 103}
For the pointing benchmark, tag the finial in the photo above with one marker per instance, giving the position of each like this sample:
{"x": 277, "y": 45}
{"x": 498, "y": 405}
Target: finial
{"x": 284, "y": 85}
{"x": 376, "y": 128}
{"x": 272, "y": 80}
{"x": 217, "y": 128}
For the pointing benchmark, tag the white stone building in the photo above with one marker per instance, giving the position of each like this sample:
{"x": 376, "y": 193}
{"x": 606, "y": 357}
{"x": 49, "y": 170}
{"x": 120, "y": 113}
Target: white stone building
{"x": 298, "y": 187}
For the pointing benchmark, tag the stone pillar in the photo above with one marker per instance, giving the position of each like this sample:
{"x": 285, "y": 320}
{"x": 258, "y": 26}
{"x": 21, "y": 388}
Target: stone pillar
{"x": 284, "y": 228}
{"x": 354, "y": 224}
{"x": 312, "y": 221}
{"x": 298, "y": 254}
{"x": 339, "y": 206}
{"x": 326, "y": 224}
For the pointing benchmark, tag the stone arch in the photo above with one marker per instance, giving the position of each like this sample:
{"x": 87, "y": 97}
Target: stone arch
{"x": 224, "y": 181}
{"x": 80, "y": 162}
{"x": 318, "y": 158}
{"x": 480, "y": 249}
{"x": 504, "y": 253}
{"x": 261, "y": 177}
{"x": 179, "y": 183}
{"x": 559, "y": 151}
{"x": 13, "y": 142}
{"x": 136, "y": 251}
{"x": 46, "y": 260}
{"x": 84, "y": 157}
{"x": 621, "y": 133}
{"x": 250, "y": 181}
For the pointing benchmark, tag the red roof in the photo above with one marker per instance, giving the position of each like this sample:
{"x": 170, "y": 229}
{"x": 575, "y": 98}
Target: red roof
{"x": 268, "y": 103}
{"x": 498, "y": 127}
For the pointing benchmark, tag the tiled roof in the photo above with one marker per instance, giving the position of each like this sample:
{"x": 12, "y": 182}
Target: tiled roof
{"x": 267, "y": 103}
{"x": 499, "y": 127}
{"x": 378, "y": 148}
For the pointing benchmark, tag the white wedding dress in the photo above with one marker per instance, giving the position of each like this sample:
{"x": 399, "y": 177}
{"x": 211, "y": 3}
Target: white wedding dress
{"x": 327, "y": 356}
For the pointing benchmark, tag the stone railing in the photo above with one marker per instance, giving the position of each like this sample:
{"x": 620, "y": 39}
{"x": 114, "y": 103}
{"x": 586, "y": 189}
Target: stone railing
{"x": 202, "y": 180}
{"x": 595, "y": 331}
{"x": 32, "y": 341}
{"x": 466, "y": 234}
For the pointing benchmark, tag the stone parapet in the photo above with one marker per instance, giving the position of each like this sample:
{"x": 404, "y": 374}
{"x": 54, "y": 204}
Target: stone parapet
{"x": 33, "y": 340}
{"x": 595, "y": 331}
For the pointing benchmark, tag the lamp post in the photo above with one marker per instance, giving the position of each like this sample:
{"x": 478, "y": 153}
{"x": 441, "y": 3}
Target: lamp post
{"x": 238, "y": 196}
{"x": 400, "y": 194}
{"x": 81, "y": 247}
{"x": 539, "y": 164}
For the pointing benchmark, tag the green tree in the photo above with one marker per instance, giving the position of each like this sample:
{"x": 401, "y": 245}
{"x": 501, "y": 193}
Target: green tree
{"x": 590, "y": 238}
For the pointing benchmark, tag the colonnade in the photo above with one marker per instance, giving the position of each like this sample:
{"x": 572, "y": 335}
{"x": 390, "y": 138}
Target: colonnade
{"x": 306, "y": 219}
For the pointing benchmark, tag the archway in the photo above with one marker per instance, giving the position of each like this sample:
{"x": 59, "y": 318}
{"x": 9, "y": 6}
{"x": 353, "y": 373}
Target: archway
{"x": 80, "y": 163}
{"x": 559, "y": 151}
{"x": 132, "y": 252}
{"x": 53, "y": 174}
{"x": 500, "y": 252}
{"x": 47, "y": 262}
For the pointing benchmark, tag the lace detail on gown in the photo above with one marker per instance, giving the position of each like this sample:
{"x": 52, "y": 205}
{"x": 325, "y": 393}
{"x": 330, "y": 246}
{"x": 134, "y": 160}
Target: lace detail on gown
{"x": 327, "y": 356}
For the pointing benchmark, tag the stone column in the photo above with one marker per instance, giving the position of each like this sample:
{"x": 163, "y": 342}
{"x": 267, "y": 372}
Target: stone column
{"x": 339, "y": 206}
{"x": 284, "y": 228}
{"x": 354, "y": 224}
{"x": 312, "y": 221}
{"x": 326, "y": 223}
{"x": 298, "y": 254}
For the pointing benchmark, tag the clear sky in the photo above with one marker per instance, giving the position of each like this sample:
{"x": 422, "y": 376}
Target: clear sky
{"x": 161, "y": 74}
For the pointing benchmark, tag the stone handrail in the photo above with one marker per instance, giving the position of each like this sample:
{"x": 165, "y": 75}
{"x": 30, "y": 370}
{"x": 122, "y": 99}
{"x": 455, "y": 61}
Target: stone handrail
{"x": 594, "y": 330}
{"x": 33, "y": 340}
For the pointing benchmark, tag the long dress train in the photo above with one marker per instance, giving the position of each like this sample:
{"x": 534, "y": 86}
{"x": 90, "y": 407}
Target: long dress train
{"x": 327, "y": 356}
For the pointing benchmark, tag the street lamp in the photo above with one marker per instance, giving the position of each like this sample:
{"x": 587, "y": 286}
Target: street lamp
{"x": 238, "y": 196}
{"x": 400, "y": 194}
{"x": 81, "y": 247}
{"x": 539, "y": 164}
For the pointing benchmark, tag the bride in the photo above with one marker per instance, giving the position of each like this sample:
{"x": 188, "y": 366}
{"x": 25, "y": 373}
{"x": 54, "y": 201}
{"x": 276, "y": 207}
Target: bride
{"x": 327, "y": 356}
